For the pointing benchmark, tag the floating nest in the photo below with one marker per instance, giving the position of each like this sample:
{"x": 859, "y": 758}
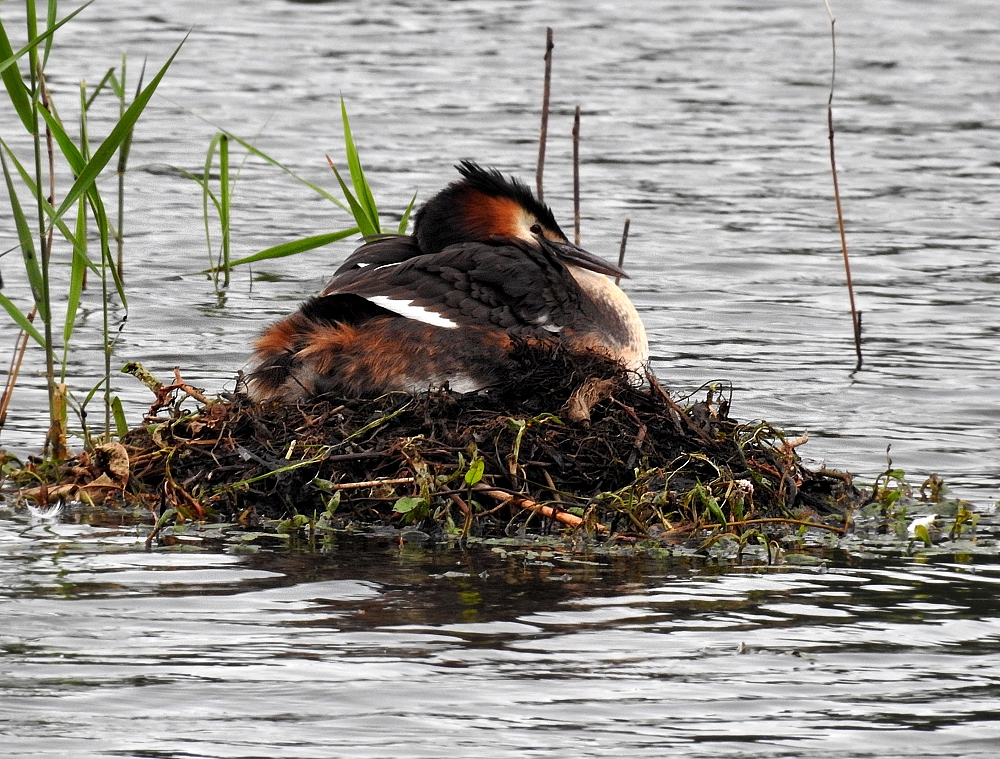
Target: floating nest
{"x": 573, "y": 443}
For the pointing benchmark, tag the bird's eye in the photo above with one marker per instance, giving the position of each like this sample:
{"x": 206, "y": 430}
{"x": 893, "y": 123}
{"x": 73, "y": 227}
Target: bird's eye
{"x": 536, "y": 229}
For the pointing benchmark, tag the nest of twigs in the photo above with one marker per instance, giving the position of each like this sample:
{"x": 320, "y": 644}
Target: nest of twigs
{"x": 577, "y": 440}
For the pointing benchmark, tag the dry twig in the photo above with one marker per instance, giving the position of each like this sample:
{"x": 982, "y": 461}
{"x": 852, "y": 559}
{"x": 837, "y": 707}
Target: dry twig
{"x": 20, "y": 345}
{"x": 621, "y": 250}
{"x": 576, "y": 176}
{"x": 545, "y": 113}
{"x": 855, "y": 314}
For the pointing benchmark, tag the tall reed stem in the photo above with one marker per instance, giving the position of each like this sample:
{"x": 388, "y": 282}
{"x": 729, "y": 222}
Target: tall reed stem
{"x": 52, "y": 441}
{"x": 122, "y": 158}
{"x": 545, "y": 113}
{"x": 576, "y": 175}
{"x": 20, "y": 345}
{"x": 621, "y": 250}
{"x": 224, "y": 203}
{"x": 57, "y": 408}
{"x": 855, "y": 314}
{"x": 106, "y": 327}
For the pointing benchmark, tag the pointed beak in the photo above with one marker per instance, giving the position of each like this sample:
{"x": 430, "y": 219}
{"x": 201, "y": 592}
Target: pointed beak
{"x": 572, "y": 254}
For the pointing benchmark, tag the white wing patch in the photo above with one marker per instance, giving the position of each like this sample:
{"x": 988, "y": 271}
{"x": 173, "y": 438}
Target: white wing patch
{"x": 410, "y": 310}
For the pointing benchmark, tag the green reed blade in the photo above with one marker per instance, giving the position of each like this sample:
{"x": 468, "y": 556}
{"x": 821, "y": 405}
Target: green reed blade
{"x": 104, "y": 232}
{"x": 108, "y": 77}
{"x": 50, "y": 20}
{"x": 296, "y": 246}
{"x": 201, "y": 183}
{"x": 21, "y": 319}
{"x": 207, "y": 195}
{"x": 8, "y": 61}
{"x": 10, "y": 57}
{"x": 224, "y": 205}
{"x": 78, "y": 269}
{"x": 27, "y": 241}
{"x": 123, "y": 154}
{"x": 206, "y": 192}
{"x": 31, "y": 17}
{"x": 368, "y": 229}
{"x": 30, "y": 184}
{"x": 277, "y": 164}
{"x": 405, "y": 221}
{"x": 14, "y": 84}
{"x": 121, "y": 424}
{"x": 79, "y": 164}
{"x": 126, "y": 148}
{"x": 117, "y": 86}
{"x": 114, "y": 140}
{"x": 68, "y": 148}
{"x": 84, "y": 136}
{"x": 213, "y": 146}
{"x": 358, "y": 179}
{"x": 90, "y": 395}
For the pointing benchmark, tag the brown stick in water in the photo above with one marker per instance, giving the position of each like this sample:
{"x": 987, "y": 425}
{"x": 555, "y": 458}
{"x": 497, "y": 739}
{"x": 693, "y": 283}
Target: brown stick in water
{"x": 20, "y": 345}
{"x": 545, "y": 112}
{"x": 546, "y": 511}
{"x": 855, "y": 314}
{"x": 576, "y": 176}
{"x": 621, "y": 251}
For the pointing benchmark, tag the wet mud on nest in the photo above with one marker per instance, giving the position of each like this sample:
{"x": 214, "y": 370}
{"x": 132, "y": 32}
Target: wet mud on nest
{"x": 571, "y": 444}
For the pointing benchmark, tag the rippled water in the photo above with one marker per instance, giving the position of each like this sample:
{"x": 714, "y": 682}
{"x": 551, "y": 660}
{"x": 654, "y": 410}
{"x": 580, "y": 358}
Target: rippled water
{"x": 372, "y": 650}
{"x": 705, "y": 124}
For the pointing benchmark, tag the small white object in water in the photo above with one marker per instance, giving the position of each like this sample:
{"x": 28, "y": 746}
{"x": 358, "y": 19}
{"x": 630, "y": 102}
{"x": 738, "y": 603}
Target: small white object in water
{"x": 928, "y": 522}
{"x": 49, "y": 515}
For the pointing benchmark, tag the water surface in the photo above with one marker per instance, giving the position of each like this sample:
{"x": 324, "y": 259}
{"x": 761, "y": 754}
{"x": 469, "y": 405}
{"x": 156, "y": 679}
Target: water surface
{"x": 705, "y": 125}
{"x": 368, "y": 649}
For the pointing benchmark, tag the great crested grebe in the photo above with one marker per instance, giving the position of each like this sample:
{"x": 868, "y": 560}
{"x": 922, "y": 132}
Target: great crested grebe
{"x": 486, "y": 266}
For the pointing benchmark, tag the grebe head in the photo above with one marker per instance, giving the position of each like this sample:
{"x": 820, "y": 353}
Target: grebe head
{"x": 484, "y": 206}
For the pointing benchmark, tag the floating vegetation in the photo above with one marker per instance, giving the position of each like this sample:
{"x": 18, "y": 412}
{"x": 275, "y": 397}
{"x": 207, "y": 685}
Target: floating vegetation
{"x": 571, "y": 444}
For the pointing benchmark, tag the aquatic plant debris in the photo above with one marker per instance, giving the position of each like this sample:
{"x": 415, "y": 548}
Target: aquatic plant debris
{"x": 572, "y": 443}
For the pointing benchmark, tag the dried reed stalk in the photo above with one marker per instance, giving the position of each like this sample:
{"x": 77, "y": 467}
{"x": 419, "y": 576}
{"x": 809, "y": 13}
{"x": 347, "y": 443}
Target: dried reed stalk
{"x": 855, "y": 314}
{"x": 20, "y": 345}
{"x": 621, "y": 250}
{"x": 545, "y": 112}
{"x": 576, "y": 176}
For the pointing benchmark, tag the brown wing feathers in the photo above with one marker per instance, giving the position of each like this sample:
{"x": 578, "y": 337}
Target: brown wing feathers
{"x": 473, "y": 284}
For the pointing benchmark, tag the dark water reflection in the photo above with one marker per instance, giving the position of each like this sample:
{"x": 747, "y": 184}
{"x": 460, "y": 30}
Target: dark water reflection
{"x": 373, "y": 650}
{"x": 705, "y": 124}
